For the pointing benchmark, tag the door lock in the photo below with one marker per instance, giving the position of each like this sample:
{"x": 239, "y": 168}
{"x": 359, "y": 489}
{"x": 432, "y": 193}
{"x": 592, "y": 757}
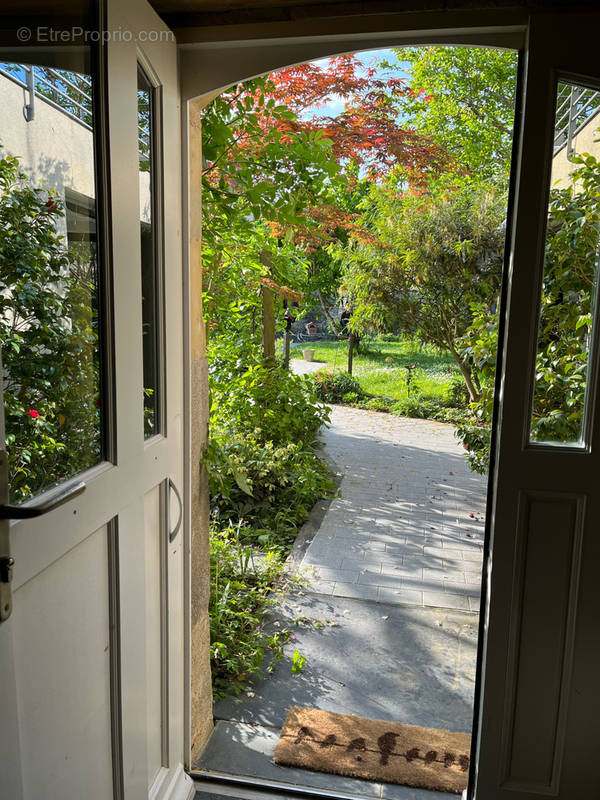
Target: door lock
{"x": 6, "y": 569}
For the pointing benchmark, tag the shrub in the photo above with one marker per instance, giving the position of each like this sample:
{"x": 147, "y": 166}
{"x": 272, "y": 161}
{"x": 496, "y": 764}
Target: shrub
{"x": 268, "y": 488}
{"x": 351, "y": 399}
{"x": 476, "y": 440}
{"x": 458, "y": 393}
{"x": 424, "y": 407}
{"x": 241, "y": 590}
{"x": 376, "y": 404}
{"x": 49, "y": 337}
{"x": 264, "y": 477}
{"x": 332, "y": 386}
{"x": 281, "y": 406}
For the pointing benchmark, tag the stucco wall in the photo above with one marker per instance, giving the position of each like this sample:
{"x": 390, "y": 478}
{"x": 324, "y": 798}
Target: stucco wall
{"x": 54, "y": 149}
{"x": 583, "y": 142}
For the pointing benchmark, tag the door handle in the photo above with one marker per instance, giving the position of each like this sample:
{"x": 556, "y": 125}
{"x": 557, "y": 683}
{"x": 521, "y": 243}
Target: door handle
{"x": 173, "y": 533}
{"x": 38, "y": 509}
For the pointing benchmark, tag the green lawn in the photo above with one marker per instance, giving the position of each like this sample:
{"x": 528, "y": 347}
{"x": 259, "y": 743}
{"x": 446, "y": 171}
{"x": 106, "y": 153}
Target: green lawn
{"x": 378, "y": 376}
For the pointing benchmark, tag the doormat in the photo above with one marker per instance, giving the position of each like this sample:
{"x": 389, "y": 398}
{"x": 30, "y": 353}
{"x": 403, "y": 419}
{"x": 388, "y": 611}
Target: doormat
{"x": 373, "y": 749}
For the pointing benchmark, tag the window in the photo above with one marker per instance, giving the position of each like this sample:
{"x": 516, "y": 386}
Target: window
{"x": 51, "y": 328}
{"x": 151, "y": 261}
{"x": 570, "y": 276}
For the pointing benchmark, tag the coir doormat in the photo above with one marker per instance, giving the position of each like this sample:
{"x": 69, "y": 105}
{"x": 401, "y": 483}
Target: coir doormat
{"x": 374, "y": 749}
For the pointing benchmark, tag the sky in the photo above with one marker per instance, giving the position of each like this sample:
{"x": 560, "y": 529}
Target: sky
{"x": 368, "y": 58}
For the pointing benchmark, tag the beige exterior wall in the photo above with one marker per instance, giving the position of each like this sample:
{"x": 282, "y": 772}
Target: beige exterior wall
{"x": 584, "y": 142}
{"x": 54, "y": 149}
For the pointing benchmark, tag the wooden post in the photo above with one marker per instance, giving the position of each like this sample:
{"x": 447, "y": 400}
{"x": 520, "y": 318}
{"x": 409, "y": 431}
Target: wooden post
{"x": 350, "y": 352}
{"x": 286, "y": 352}
{"x": 268, "y": 319}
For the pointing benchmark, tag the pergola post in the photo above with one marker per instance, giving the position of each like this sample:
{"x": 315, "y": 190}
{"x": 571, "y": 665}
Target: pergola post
{"x": 268, "y": 325}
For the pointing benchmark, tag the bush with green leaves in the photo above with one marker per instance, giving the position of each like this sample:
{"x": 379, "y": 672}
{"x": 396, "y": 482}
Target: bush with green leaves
{"x": 568, "y": 288}
{"x": 332, "y": 386}
{"x": 242, "y": 581}
{"x": 283, "y": 407}
{"x": 268, "y": 487}
{"x": 49, "y": 333}
{"x": 264, "y": 478}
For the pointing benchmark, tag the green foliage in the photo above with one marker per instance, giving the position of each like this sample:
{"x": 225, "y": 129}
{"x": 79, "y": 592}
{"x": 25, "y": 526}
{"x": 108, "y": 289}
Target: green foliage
{"x": 476, "y": 440}
{"x": 280, "y": 406}
{"x": 458, "y": 393}
{"x": 268, "y": 488}
{"x": 332, "y": 386}
{"x": 263, "y": 175}
{"x": 351, "y": 399}
{"x": 479, "y": 346}
{"x": 568, "y": 292}
{"x": 434, "y": 255}
{"x": 264, "y": 478}
{"x": 377, "y": 404}
{"x": 49, "y": 335}
{"x": 298, "y": 662}
{"x": 465, "y": 97}
{"x": 241, "y": 591}
{"x": 568, "y": 289}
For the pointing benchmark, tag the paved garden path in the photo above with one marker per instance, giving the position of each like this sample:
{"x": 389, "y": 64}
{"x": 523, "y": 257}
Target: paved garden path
{"x": 388, "y": 624}
{"x": 301, "y": 367}
{"x": 408, "y": 527}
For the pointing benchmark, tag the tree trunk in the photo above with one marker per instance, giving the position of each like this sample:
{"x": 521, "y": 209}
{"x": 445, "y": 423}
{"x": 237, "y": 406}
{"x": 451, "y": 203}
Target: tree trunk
{"x": 474, "y": 394}
{"x": 350, "y": 352}
{"x": 332, "y": 323}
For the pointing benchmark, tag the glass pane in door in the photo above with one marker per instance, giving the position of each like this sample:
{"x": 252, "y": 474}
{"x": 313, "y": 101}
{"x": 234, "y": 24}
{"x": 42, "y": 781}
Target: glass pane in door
{"x": 570, "y": 276}
{"x": 150, "y": 256}
{"x": 50, "y": 328}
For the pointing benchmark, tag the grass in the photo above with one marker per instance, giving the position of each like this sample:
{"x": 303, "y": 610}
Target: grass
{"x": 384, "y": 378}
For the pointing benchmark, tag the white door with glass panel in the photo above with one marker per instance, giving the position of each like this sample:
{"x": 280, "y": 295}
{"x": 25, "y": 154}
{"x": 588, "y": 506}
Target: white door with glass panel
{"x": 91, "y": 440}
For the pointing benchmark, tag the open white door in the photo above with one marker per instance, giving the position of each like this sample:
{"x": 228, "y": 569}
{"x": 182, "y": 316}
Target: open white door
{"x": 539, "y": 728}
{"x": 91, "y": 656}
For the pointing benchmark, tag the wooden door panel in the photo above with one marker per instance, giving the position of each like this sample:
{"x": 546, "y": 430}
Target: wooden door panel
{"x": 546, "y": 577}
{"x": 62, "y": 665}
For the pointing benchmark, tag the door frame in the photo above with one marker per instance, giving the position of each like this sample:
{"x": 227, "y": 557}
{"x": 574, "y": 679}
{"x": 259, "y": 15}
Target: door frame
{"x": 213, "y": 58}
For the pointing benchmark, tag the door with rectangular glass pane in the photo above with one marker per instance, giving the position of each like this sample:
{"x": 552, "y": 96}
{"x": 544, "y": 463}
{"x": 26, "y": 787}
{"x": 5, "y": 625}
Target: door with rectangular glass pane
{"x": 539, "y": 725}
{"x": 91, "y": 443}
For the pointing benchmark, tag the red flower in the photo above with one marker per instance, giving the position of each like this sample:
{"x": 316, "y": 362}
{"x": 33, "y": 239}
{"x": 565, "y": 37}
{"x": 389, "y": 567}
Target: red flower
{"x": 51, "y": 205}
{"x": 33, "y": 413}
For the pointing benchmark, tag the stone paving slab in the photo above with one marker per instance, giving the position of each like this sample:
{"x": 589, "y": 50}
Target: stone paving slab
{"x": 409, "y": 524}
{"x": 400, "y": 662}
